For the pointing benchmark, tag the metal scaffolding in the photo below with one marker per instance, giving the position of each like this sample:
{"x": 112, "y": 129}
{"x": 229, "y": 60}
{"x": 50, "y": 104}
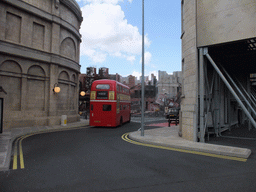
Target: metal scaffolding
{"x": 210, "y": 97}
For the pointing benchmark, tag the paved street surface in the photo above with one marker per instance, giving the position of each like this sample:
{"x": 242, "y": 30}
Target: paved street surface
{"x": 98, "y": 159}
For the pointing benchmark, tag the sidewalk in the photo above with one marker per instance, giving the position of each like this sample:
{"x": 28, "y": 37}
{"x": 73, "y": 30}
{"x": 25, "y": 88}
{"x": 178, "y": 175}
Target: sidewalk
{"x": 7, "y": 137}
{"x": 168, "y": 137}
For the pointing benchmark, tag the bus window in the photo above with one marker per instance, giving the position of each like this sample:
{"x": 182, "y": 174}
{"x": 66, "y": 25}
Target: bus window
{"x": 91, "y": 107}
{"x": 102, "y": 95}
{"x": 106, "y": 107}
{"x": 102, "y": 86}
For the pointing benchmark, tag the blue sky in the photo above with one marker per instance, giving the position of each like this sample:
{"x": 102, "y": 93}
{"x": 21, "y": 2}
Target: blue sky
{"x": 112, "y": 36}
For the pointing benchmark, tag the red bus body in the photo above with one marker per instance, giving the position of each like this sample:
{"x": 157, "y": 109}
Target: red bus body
{"x": 110, "y": 103}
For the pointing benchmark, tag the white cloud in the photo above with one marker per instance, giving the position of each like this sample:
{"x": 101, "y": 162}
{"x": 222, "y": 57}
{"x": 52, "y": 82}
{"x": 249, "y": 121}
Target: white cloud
{"x": 147, "y": 58}
{"x": 136, "y": 74}
{"x": 131, "y": 58}
{"x": 105, "y": 31}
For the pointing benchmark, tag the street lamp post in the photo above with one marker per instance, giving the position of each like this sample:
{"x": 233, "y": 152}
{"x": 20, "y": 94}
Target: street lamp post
{"x": 142, "y": 81}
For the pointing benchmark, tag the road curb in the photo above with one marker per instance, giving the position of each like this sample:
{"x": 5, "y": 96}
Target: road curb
{"x": 180, "y": 143}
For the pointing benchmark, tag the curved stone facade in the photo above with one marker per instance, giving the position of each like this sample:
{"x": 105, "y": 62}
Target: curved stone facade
{"x": 39, "y": 48}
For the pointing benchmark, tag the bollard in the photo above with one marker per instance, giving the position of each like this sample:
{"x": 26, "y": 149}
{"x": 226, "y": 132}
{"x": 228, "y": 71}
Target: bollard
{"x": 64, "y": 120}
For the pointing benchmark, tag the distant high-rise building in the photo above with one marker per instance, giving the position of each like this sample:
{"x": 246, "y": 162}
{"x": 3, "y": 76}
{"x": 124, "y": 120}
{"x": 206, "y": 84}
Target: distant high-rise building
{"x": 131, "y": 81}
{"x": 103, "y": 72}
{"x": 169, "y": 83}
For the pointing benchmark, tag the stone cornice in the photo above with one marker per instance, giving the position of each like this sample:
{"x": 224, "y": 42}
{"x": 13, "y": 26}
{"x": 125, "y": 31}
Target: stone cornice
{"x": 47, "y": 16}
{"x": 16, "y": 50}
{"x": 72, "y": 4}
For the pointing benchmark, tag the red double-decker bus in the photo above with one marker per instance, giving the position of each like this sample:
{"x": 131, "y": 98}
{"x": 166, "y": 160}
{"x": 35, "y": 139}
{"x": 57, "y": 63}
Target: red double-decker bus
{"x": 110, "y": 103}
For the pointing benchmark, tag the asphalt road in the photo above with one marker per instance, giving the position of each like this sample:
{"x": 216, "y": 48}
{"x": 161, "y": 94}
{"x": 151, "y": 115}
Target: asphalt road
{"x": 97, "y": 159}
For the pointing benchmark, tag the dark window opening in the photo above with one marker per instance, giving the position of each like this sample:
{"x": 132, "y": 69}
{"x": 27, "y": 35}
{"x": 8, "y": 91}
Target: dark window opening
{"x": 106, "y": 107}
{"x": 102, "y": 94}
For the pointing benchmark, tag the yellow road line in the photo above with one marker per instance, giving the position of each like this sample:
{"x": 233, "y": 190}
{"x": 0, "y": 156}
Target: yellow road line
{"x": 15, "y": 157}
{"x": 20, "y": 139}
{"x": 125, "y": 138}
{"x": 14, "y": 166}
{"x": 21, "y": 154}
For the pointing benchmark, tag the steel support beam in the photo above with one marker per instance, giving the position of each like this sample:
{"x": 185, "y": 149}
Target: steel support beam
{"x": 249, "y": 91}
{"x": 201, "y": 76}
{"x": 240, "y": 92}
{"x": 229, "y": 87}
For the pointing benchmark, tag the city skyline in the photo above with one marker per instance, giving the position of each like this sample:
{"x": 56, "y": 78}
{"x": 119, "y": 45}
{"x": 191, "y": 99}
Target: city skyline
{"x": 112, "y": 34}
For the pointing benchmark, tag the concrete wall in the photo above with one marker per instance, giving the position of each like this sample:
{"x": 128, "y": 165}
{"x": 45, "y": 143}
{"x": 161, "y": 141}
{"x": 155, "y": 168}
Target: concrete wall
{"x": 204, "y": 23}
{"x": 189, "y": 103}
{"x": 220, "y": 21}
{"x": 39, "y": 47}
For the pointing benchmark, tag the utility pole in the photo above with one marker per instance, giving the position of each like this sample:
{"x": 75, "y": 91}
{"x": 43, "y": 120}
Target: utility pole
{"x": 142, "y": 81}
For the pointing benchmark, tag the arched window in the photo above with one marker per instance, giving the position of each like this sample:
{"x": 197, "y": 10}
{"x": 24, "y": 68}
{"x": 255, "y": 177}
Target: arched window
{"x": 63, "y": 96}
{"x": 68, "y": 48}
{"x": 36, "y": 88}
{"x": 10, "y": 80}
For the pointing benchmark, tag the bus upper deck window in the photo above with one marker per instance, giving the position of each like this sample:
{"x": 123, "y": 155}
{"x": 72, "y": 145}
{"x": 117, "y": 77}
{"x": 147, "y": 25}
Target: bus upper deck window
{"x": 102, "y": 86}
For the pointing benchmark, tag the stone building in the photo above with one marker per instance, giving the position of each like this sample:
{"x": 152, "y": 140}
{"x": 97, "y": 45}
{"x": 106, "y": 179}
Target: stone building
{"x": 169, "y": 84}
{"x": 39, "y": 50}
{"x": 150, "y": 96}
{"x": 218, "y": 60}
{"x": 131, "y": 81}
